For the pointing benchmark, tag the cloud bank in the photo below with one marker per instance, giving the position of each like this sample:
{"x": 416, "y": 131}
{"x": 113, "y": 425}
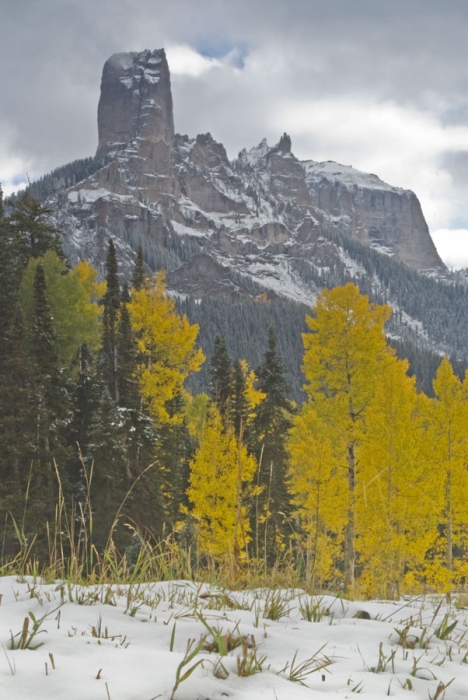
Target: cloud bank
{"x": 381, "y": 86}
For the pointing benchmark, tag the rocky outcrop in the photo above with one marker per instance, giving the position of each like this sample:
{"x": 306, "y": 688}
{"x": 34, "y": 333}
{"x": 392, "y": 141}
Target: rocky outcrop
{"x": 136, "y": 125}
{"x": 135, "y": 102}
{"x": 365, "y": 208}
{"x": 186, "y": 202}
{"x": 284, "y": 144}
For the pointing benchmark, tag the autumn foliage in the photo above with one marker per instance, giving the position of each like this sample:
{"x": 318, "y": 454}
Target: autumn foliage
{"x": 364, "y": 487}
{"x": 166, "y": 345}
{"x": 378, "y": 471}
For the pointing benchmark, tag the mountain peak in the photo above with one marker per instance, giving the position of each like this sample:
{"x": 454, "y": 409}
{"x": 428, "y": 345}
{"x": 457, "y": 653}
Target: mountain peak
{"x": 180, "y": 196}
{"x": 136, "y": 100}
{"x": 284, "y": 144}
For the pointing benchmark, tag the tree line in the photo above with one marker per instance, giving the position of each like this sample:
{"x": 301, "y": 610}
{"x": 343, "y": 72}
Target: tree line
{"x": 91, "y": 390}
{"x": 363, "y": 486}
{"x": 93, "y": 407}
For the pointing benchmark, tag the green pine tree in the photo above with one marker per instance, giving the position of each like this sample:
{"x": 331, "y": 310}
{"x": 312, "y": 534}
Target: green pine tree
{"x": 239, "y": 401}
{"x": 10, "y": 277}
{"x": 85, "y": 392}
{"x": 106, "y": 465}
{"x": 269, "y": 431}
{"x": 50, "y": 408}
{"x": 139, "y": 273}
{"x": 127, "y": 357}
{"x": 17, "y": 436}
{"x": 221, "y": 379}
{"x": 111, "y": 303}
{"x": 33, "y": 235}
{"x": 173, "y": 452}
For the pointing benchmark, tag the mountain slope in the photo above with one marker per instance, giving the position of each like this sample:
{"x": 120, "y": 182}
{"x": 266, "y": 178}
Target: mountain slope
{"x": 264, "y": 222}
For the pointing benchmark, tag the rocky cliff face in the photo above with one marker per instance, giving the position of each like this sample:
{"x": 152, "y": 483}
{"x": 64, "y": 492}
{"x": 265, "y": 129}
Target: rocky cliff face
{"x": 135, "y": 102}
{"x": 370, "y": 211}
{"x": 188, "y": 204}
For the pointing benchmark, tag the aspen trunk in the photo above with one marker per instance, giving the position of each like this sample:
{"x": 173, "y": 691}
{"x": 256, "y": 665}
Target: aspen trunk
{"x": 449, "y": 521}
{"x": 350, "y": 535}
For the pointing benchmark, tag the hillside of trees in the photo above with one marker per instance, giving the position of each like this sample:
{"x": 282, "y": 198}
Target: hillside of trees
{"x": 361, "y": 484}
{"x": 439, "y": 307}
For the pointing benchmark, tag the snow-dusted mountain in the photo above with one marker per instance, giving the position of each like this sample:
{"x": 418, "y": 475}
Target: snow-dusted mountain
{"x": 169, "y": 191}
{"x": 265, "y": 221}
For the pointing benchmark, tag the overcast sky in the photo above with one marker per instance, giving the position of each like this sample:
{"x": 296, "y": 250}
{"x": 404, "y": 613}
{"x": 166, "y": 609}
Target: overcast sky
{"x": 382, "y": 86}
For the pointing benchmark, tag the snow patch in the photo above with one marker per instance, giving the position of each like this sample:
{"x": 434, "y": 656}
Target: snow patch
{"x": 85, "y": 196}
{"x": 354, "y": 268}
{"x": 255, "y": 154}
{"x": 183, "y": 230}
{"x": 128, "y": 82}
{"x": 345, "y": 175}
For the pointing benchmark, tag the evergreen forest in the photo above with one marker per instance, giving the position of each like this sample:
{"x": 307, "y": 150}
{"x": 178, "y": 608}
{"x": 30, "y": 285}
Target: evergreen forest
{"x": 109, "y": 449}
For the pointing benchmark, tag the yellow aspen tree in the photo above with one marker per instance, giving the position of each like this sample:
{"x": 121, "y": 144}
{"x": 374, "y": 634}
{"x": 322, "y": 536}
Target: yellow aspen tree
{"x": 396, "y": 513}
{"x": 245, "y": 398}
{"x": 72, "y": 295}
{"x": 253, "y": 395}
{"x": 166, "y": 343}
{"x": 319, "y": 489}
{"x": 196, "y": 409}
{"x": 450, "y": 452}
{"x": 342, "y": 361}
{"x": 219, "y": 466}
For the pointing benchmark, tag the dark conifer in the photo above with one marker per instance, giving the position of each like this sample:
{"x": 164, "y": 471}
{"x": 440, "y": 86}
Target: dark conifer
{"x": 139, "y": 273}
{"x": 174, "y": 450}
{"x": 221, "y": 379}
{"x": 107, "y": 456}
{"x": 49, "y": 404}
{"x": 111, "y": 302}
{"x": 33, "y": 235}
{"x": 137, "y": 428}
{"x": 85, "y": 394}
{"x": 239, "y": 401}
{"x": 17, "y": 435}
{"x": 10, "y": 277}
{"x": 44, "y": 338}
{"x": 268, "y": 437}
{"x": 127, "y": 355}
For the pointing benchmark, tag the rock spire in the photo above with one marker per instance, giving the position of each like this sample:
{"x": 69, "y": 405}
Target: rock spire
{"x": 135, "y": 102}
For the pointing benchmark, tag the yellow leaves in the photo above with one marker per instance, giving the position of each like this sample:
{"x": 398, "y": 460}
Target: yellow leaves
{"x": 87, "y": 278}
{"x": 166, "y": 344}
{"x": 218, "y": 472}
{"x": 196, "y": 413}
{"x": 390, "y": 451}
{"x": 450, "y": 413}
{"x": 449, "y": 457}
{"x": 346, "y": 342}
{"x": 397, "y": 515}
{"x": 316, "y": 468}
{"x": 345, "y": 353}
{"x": 364, "y": 409}
{"x": 72, "y": 296}
{"x": 319, "y": 488}
{"x": 254, "y": 396}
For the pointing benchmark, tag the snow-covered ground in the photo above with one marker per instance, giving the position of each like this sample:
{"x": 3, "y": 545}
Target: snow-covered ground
{"x": 130, "y": 643}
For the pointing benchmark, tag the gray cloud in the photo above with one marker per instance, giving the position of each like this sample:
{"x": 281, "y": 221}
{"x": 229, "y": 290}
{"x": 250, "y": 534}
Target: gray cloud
{"x": 457, "y": 165}
{"x": 412, "y": 53}
{"x": 339, "y": 73}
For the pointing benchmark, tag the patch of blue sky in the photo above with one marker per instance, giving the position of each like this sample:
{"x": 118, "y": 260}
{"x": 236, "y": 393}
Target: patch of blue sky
{"x": 18, "y": 179}
{"x": 218, "y": 47}
{"x": 458, "y": 223}
{"x": 455, "y": 115}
